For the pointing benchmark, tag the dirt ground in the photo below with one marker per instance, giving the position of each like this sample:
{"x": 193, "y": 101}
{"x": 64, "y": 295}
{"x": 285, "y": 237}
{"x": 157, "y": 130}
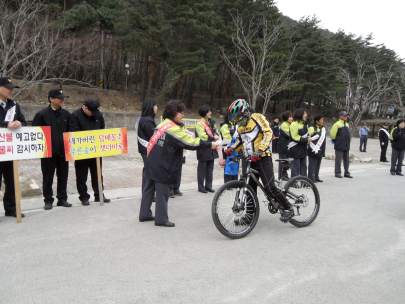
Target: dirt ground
{"x": 111, "y": 100}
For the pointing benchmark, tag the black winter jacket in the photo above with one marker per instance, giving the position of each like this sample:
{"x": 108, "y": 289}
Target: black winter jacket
{"x": 313, "y": 130}
{"x": 283, "y": 139}
{"x": 166, "y": 156}
{"x": 17, "y": 116}
{"x": 79, "y": 121}
{"x": 206, "y": 154}
{"x": 276, "y": 135}
{"x": 146, "y": 128}
{"x": 58, "y": 120}
{"x": 398, "y": 139}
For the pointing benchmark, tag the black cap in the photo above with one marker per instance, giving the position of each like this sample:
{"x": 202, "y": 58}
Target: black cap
{"x": 364, "y": 124}
{"x": 6, "y": 82}
{"x": 343, "y": 113}
{"x": 57, "y": 93}
{"x": 93, "y": 105}
{"x": 385, "y": 123}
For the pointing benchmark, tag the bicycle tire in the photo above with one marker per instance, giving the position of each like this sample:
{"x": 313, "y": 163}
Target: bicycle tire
{"x": 312, "y": 200}
{"x": 224, "y": 216}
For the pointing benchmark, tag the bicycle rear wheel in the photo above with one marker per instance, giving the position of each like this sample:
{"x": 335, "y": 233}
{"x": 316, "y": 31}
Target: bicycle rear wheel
{"x": 302, "y": 193}
{"x": 232, "y": 216}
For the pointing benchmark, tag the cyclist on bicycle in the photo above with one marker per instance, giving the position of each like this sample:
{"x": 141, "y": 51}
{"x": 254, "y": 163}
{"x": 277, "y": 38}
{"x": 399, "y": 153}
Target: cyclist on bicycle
{"x": 254, "y": 135}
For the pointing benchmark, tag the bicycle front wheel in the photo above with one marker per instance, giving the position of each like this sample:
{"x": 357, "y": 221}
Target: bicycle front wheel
{"x": 235, "y": 216}
{"x": 302, "y": 193}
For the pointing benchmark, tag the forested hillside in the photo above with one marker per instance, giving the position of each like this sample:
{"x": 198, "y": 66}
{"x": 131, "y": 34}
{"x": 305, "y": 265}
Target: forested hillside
{"x": 224, "y": 49}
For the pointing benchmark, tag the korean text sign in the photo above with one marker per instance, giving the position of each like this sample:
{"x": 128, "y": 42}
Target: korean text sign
{"x": 25, "y": 143}
{"x": 96, "y": 143}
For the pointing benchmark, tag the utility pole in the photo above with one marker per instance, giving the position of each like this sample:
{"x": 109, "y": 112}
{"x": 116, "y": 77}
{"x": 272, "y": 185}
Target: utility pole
{"x": 126, "y": 85}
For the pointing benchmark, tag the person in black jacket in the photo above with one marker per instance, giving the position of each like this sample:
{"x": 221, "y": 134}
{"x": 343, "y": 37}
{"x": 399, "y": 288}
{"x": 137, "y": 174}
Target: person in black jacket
{"x": 165, "y": 156}
{"x": 276, "y": 134}
{"x": 316, "y": 148}
{"x": 384, "y": 136}
{"x": 87, "y": 118}
{"x": 398, "y": 147}
{"x": 205, "y": 129}
{"x": 298, "y": 143}
{"x": 340, "y": 135}
{"x": 283, "y": 141}
{"x": 12, "y": 118}
{"x": 57, "y": 118}
{"x": 145, "y": 129}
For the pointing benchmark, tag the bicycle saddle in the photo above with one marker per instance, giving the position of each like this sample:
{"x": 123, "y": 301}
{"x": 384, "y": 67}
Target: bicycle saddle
{"x": 285, "y": 160}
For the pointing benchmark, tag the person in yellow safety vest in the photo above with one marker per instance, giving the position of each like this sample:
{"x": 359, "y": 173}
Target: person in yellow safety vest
{"x": 299, "y": 140}
{"x": 165, "y": 155}
{"x": 316, "y": 149}
{"x": 206, "y": 130}
{"x": 283, "y": 141}
{"x": 340, "y": 135}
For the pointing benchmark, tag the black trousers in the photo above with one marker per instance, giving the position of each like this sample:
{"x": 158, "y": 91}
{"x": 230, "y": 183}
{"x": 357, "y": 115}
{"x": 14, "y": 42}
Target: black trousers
{"x": 314, "y": 164}
{"x": 176, "y": 186}
{"x": 339, "y": 155}
{"x": 205, "y": 171}
{"x": 363, "y": 141}
{"x": 299, "y": 167}
{"x": 396, "y": 160}
{"x": 280, "y": 169}
{"x": 48, "y": 167}
{"x": 6, "y": 172}
{"x": 82, "y": 171}
{"x": 383, "y": 155}
{"x": 145, "y": 169}
{"x": 265, "y": 169}
{"x": 162, "y": 197}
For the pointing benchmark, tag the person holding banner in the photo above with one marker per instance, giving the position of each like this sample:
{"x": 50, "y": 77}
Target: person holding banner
{"x": 205, "y": 129}
{"x": 10, "y": 117}
{"x": 57, "y": 118}
{"x": 165, "y": 155}
{"x": 87, "y": 118}
{"x": 316, "y": 148}
{"x": 297, "y": 148}
{"x": 145, "y": 129}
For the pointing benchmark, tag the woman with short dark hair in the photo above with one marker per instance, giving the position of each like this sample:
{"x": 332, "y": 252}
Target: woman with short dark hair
{"x": 145, "y": 128}
{"x": 316, "y": 148}
{"x": 298, "y": 143}
{"x": 398, "y": 147}
{"x": 165, "y": 155}
{"x": 205, "y": 129}
{"x": 283, "y": 141}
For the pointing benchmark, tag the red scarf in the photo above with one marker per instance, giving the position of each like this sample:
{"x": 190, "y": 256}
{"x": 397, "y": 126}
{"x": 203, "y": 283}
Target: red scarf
{"x": 158, "y": 134}
{"x": 207, "y": 128}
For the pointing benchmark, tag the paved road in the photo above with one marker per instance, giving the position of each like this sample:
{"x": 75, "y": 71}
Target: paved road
{"x": 353, "y": 253}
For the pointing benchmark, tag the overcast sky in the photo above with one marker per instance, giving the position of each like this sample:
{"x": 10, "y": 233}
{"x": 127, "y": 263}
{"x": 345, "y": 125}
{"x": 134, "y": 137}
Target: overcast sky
{"x": 385, "y": 19}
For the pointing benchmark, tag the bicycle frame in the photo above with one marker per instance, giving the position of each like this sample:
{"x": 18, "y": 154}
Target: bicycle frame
{"x": 250, "y": 173}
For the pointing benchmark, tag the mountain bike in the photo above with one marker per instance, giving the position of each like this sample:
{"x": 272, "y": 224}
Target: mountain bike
{"x": 235, "y": 207}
